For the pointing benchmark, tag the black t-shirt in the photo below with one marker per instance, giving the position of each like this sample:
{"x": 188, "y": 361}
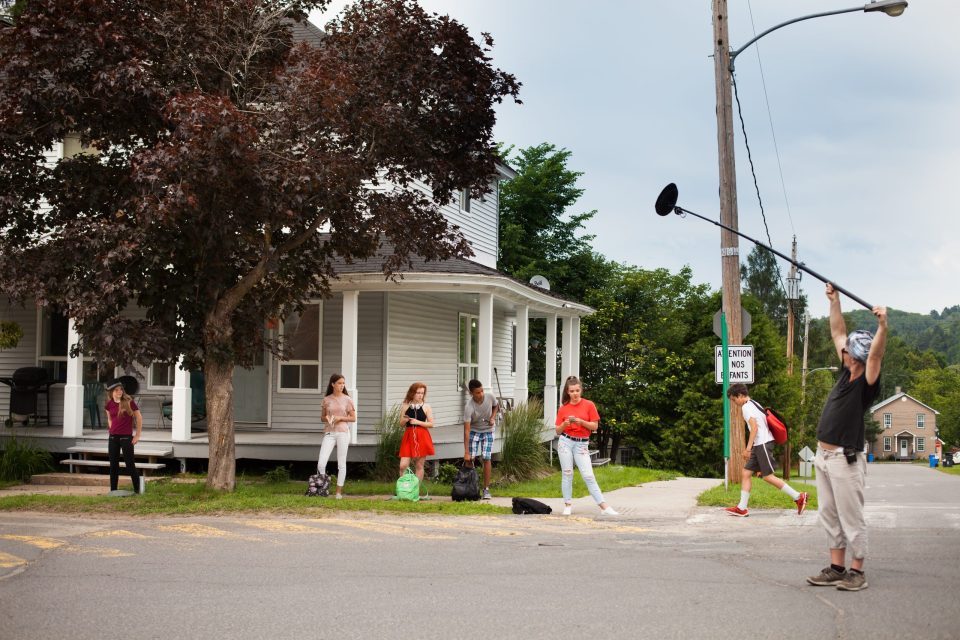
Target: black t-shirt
{"x": 841, "y": 422}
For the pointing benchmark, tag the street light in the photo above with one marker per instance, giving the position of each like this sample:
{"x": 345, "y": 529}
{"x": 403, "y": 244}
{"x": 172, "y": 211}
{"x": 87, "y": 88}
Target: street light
{"x": 803, "y": 379}
{"x": 729, "y": 242}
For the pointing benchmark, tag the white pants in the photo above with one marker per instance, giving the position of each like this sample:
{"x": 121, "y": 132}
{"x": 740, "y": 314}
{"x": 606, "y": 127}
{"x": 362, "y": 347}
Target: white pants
{"x": 340, "y": 440}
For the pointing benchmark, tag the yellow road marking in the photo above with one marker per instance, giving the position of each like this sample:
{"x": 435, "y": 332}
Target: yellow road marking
{"x": 36, "y": 541}
{"x": 389, "y": 529}
{"x": 201, "y": 531}
{"x": 8, "y": 561}
{"x": 117, "y": 533}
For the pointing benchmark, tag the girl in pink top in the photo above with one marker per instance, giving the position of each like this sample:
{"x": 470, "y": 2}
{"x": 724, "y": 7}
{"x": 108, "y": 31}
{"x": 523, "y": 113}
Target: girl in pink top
{"x": 337, "y": 413}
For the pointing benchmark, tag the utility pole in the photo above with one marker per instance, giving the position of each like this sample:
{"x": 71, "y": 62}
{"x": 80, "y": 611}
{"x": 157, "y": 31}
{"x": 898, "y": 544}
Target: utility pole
{"x": 793, "y": 294}
{"x": 729, "y": 242}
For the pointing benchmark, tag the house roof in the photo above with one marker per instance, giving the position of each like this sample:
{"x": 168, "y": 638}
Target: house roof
{"x": 306, "y": 31}
{"x": 896, "y": 397}
{"x": 425, "y": 271}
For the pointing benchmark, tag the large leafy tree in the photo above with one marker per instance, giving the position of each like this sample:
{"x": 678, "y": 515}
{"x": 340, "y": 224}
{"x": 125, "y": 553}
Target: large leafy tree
{"x": 222, "y": 150}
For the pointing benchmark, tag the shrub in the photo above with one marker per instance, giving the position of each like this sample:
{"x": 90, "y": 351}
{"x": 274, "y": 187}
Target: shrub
{"x": 389, "y": 435}
{"x": 522, "y": 455}
{"x": 20, "y": 460}
{"x": 277, "y": 475}
{"x": 447, "y": 473}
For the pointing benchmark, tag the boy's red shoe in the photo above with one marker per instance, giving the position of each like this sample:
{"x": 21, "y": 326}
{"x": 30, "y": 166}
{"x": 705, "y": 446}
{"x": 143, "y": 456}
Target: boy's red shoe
{"x": 737, "y": 511}
{"x": 801, "y": 503}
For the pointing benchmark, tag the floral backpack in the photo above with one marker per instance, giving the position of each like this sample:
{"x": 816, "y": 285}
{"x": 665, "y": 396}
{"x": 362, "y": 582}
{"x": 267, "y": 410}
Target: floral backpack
{"x": 318, "y": 485}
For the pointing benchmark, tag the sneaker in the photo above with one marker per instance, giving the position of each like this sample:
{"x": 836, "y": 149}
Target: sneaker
{"x": 567, "y": 509}
{"x": 142, "y": 489}
{"x": 737, "y": 511}
{"x": 339, "y": 496}
{"x": 486, "y": 494}
{"x": 853, "y": 581}
{"x": 609, "y": 511}
{"x": 827, "y": 578}
{"x": 801, "y": 503}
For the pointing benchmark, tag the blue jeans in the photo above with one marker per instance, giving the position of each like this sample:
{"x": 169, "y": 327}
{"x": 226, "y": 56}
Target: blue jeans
{"x": 570, "y": 452}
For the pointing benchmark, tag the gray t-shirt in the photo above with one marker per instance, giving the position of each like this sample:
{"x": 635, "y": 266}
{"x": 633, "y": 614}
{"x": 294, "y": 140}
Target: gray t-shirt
{"x": 480, "y": 415}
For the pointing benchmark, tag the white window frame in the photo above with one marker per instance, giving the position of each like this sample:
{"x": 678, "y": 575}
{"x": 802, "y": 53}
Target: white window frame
{"x": 467, "y": 368}
{"x": 513, "y": 348}
{"x": 887, "y": 443}
{"x": 887, "y": 420}
{"x": 59, "y": 361}
{"x": 318, "y": 362}
{"x": 921, "y": 444}
{"x": 921, "y": 420}
{"x": 464, "y": 200}
{"x": 172, "y": 370}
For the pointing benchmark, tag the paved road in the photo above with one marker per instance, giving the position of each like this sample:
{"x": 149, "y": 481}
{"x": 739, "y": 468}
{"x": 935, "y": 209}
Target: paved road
{"x": 690, "y": 573}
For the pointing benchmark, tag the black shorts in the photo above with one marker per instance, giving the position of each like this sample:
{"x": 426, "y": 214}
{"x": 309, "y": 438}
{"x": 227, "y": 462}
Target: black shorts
{"x": 762, "y": 460}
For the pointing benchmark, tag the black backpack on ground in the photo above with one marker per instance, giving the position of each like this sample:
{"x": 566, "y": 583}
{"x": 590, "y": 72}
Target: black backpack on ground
{"x": 318, "y": 486}
{"x": 466, "y": 486}
{"x": 529, "y": 505}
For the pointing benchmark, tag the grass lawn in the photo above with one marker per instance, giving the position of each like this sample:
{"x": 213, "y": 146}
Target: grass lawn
{"x": 165, "y": 497}
{"x": 954, "y": 470}
{"x": 762, "y": 496}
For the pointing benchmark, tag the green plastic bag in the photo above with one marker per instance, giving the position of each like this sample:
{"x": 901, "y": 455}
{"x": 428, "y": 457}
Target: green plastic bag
{"x": 408, "y": 487}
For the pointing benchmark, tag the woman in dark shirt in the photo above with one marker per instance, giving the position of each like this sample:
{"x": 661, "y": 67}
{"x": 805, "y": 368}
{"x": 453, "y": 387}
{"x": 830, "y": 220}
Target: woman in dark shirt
{"x": 123, "y": 415}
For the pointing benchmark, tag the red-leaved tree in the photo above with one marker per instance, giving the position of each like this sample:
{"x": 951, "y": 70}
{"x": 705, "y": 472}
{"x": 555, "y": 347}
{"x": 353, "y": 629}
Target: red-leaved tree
{"x": 219, "y": 149}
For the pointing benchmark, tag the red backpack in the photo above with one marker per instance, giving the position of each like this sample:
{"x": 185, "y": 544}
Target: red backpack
{"x": 775, "y": 422}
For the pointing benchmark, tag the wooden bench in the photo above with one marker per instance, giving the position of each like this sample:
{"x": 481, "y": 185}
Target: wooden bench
{"x": 152, "y": 454}
{"x": 595, "y": 461}
{"x": 141, "y": 466}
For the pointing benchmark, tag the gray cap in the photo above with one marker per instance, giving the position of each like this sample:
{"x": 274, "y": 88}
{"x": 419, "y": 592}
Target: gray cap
{"x": 858, "y": 344}
{"x": 113, "y": 384}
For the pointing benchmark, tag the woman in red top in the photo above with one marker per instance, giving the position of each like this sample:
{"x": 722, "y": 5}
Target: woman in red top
{"x": 576, "y": 420}
{"x": 417, "y": 420}
{"x": 122, "y": 414}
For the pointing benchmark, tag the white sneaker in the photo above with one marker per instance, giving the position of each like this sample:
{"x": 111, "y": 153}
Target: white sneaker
{"x": 339, "y": 496}
{"x": 609, "y": 511}
{"x": 567, "y": 509}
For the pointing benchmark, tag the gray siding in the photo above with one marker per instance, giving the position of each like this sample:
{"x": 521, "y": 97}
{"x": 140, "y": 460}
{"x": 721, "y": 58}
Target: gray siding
{"x": 24, "y": 355}
{"x": 301, "y": 411}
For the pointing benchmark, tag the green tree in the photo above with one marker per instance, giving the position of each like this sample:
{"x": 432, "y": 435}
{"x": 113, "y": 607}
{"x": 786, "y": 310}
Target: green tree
{"x": 221, "y": 149}
{"x": 939, "y": 388}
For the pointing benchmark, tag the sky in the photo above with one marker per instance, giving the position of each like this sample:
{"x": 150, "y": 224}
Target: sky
{"x": 864, "y": 110}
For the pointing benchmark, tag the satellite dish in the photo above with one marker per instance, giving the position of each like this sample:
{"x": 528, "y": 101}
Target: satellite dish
{"x": 540, "y": 281}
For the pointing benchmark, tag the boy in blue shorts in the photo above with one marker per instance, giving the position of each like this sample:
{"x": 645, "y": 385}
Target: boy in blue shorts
{"x": 479, "y": 418}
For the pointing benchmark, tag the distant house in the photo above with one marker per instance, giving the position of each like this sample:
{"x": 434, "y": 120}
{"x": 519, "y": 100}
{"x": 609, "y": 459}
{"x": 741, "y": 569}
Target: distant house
{"x": 909, "y": 428}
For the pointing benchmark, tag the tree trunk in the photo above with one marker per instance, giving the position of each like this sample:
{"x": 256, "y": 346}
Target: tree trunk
{"x": 222, "y": 469}
{"x": 614, "y": 447}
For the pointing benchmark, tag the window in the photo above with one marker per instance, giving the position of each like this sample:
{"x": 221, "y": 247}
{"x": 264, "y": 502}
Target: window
{"x": 161, "y": 375}
{"x": 52, "y": 355}
{"x": 301, "y": 337}
{"x": 465, "y": 200}
{"x": 469, "y": 341}
{"x": 921, "y": 445}
{"x": 513, "y": 348}
{"x": 920, "y": 419}
{"x": 887, "y": 443}
{"x": 94, "y": 371}
{"x": 887, "y": 420}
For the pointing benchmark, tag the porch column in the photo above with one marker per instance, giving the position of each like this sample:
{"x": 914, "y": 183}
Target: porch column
{"x": 348, "y": 351}
{"x": 566, "y": 355}
{"x": 575, "y": 348}
{"x": 180, "y": 430}
{"x": 485, "y": 341}
{"x": 550, "y": 372}
{"x": 73, "y": 391}
{"x": 520, "y": 381}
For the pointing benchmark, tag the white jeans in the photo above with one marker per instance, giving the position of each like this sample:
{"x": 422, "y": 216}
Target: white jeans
{"x": 840, "y": 500}
{"x": 570, "y": 452}
{"x": 340, "y": 440}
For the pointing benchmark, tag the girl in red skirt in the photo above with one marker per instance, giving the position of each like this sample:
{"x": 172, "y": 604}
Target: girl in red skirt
{"x": 417, "y": 419}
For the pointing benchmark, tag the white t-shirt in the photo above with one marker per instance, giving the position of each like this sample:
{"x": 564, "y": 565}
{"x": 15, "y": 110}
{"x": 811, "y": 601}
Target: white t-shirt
{"x": 750, "y": 410}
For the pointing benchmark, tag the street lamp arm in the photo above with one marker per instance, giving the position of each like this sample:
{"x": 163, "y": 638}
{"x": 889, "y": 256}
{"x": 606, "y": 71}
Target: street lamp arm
{"x": 890, "y": 7}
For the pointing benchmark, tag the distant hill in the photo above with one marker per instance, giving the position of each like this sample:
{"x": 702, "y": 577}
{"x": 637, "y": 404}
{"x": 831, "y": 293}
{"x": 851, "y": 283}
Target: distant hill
{"x": 937, "y": 331}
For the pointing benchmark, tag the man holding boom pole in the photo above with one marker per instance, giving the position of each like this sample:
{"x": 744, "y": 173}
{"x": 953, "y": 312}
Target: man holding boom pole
{"x": 840, "y": 463}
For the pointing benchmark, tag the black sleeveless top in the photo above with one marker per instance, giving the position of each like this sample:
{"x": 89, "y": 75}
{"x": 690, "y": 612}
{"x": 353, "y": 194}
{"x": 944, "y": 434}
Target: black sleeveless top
{"x": 417, "y": 413}
{"x": 841, "y": 422}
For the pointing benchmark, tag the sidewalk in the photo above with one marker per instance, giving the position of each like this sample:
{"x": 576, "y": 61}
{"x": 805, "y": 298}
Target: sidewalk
{"x": 663, "y": 499}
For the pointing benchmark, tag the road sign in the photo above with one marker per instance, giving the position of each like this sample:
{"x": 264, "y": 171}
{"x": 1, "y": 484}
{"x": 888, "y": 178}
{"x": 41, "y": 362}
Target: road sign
{"x": 746, "y": 323}
{"x": 740, "y": 361}
{"x": 806, "y": 454}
